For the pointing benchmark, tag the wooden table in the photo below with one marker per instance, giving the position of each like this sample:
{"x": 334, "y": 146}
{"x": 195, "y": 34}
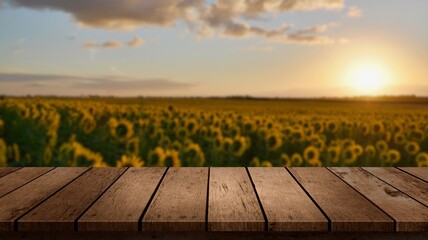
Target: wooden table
{"x": 214, "y": 203}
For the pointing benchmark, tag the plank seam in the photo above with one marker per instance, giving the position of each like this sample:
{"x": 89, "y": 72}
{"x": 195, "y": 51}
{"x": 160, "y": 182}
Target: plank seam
{"x": 11, "y": 172}
{"x": 140, "y": 219}
{"x": 396, "y": 188}
{"x": 207, "y": 203}
{"x": 266, "y": 224}
{"x": 312, "y": 199}
{"x": 76, "y": 222}
{"x": 26, "y": 182}
{"x": 15, "y": 224}
{"x": 404, "y": 171}
{"x": 393, "y": 219}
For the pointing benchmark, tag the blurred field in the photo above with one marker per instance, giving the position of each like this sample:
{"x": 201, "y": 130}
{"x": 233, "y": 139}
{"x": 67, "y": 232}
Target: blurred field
{"x": 213, "y": 132}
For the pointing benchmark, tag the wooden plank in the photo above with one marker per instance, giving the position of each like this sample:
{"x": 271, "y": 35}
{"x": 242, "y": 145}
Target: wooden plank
{"x": 420, "y": 172}
{"x": 59, "y": 212}
{"x": 287, "y": 206}
{"x": 6, "y": 170}
{"x": 233, "y": 204}
{"x": 120, "y": 208}
{"x": 409, "y": 214}
{"x": 346, "y": 208}
{"x": 18, "y": 178}
{"x": 180, "y": 202}
{"x": 18, "y": 202}
{"x": 404, "y": 182}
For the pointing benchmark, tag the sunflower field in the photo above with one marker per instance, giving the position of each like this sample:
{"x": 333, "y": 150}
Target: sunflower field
{"x": 210, "y": 132}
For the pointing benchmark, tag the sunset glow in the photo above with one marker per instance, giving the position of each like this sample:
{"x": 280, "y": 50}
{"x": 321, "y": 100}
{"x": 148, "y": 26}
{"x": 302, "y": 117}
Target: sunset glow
{"x": 368, "y": 78}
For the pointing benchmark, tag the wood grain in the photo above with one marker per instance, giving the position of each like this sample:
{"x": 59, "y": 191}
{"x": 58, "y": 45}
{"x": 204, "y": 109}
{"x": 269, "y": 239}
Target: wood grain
{"x": 18, "y": 202}
{"x": 180, "y": 202}
{"x": 59, "y": 212}
{"x": 18, "y": 178}
{"x": 420, "y": 172}
{"x": 233, "y": 204}
{"x": 287, "y": 206}
{"x": 409, "y": 214}
{"x": 346, "y": 208}
{"x": 120, "y": 208}
{"x": 404, "y": 182}
{"x": 6, "y": 170}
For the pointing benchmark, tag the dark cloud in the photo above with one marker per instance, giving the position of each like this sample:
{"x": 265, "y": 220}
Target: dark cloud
{"x": 100, "y": 83}
{"x": 224, "y": 17}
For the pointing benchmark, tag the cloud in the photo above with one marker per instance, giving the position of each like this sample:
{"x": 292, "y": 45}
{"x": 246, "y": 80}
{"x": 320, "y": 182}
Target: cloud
{"x": 136, "y": 42}
{"x": 204, "y": 18}
{"x": 354, "y": 12}
{"x": 111, "y": 44}
{"x": 90, "y": 44}
{"x": 111, "y": 83}
{"x": 255, "y": 48}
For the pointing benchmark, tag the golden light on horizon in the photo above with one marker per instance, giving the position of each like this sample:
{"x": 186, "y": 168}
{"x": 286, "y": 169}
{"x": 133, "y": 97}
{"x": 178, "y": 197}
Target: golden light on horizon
{"x": 368, "y": 77}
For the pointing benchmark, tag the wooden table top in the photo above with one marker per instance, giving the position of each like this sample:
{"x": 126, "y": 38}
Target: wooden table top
{"x": 214, "y": 199}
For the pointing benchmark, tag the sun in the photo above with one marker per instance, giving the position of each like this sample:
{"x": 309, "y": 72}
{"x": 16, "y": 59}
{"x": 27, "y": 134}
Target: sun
{"x": 368, "y": 77}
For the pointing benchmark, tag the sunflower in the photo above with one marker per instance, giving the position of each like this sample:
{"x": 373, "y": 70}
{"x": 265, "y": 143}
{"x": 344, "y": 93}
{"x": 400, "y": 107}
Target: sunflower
{"x": 130, "y": 161}
{"x": 176, "y": 145}
{"x": 133, "y": 146}
{"x": 16, "y": 152}
{"x": 370, "y": 151}
{"x": 349, "y": 156}
{"x": 266, "y": 164}
{"x": 318, "y": 127}
{"x": 358, "y": 149}
{"x": 239, "y": 146}
{"x": 182, "y": 133}
{"x": 227, "y": 144}
{"x": 3, "y": 158}
{"x": 285, "y": 160}
{"x": 422, "y": 159}
{"x": 273, "y": 141}
{"x": 417, "y": 135}
{"x": 122, "y": 129}
{"x": 332, "y": 127}
{"x": 399, "y": 139}
{"x": 412, "y": 148}
{"x": 172, "y": 159}
{"x": 394, "y": 156}
{"x": 377, "y": 128}
{"x": 296, "y": 160}
{"x": 381, "y": 146}
{"x": 1, "y": 126}
{"x": 333, "y": 153}
{"x": 156, "y": 157}
{"x": 365, "y": 129}
{"x": 311, "y": 154}
{"x": 194, "y": 155}
{"x": 255, "y": 162}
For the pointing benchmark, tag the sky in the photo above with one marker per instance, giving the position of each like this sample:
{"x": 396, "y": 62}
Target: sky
{"x": 269, "y": 48}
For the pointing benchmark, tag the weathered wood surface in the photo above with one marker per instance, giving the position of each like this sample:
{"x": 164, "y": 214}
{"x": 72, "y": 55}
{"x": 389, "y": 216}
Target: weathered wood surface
{"x": 20, "y": 177}
{"x": 206, "y": 203}
{"x": 17, "y": 203}
{"x": 180, "y": 202}
{"x": 347, "y": 209}
{"x": 6, "y": 170}
{"x": 59, "y": 212}
{"x": 232, "y": 203}
{"x": 286, "y": 205}
{"x": 120, "y": 208}
{"x": 409, "y": 214}
{"x": 420, "y": 172}
{"x": 412, "y": 186}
